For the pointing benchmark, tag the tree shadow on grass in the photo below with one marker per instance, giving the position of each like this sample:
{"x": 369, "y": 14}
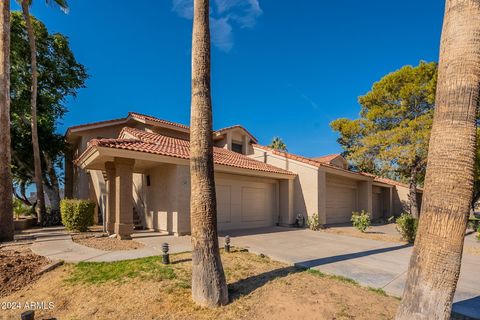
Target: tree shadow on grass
{"x": 246, "y": 286}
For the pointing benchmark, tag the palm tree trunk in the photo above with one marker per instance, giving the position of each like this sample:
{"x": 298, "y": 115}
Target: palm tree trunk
{"x": 436, "y": 259}
{"x": 6, "y": 190}
{"x": 209, "y": 286}
{"x": 36, "y": 148}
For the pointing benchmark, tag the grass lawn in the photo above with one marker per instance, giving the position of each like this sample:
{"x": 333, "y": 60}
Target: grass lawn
{"x": 145, "y": 289}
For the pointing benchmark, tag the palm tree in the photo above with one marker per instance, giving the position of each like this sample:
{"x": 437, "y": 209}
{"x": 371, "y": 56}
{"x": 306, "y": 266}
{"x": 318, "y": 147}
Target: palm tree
{"x": 209, "y": 287}
{"x": 6, "y": 209}
{"x": 33, "y": 56}
{"x": 436, "y": 259}
{"x": 278, "y": 144}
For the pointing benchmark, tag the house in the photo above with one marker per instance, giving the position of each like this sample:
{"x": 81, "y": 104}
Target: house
{"x": 136, "y": 169}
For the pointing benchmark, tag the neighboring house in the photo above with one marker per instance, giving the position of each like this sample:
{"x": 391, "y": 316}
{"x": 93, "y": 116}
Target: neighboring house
{"x": 137, "y": 171}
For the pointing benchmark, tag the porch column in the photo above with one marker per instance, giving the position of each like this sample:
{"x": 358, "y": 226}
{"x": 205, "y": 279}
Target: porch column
{"x": 124, "y": 198}
{"x": 110, "y": 212}
{"x": 365, "y": 197}
{"x": 287, "y": 216}
{"x": 390, "y": 202}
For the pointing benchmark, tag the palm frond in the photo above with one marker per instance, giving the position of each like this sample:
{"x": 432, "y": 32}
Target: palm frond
{"x": 62, "y": 4}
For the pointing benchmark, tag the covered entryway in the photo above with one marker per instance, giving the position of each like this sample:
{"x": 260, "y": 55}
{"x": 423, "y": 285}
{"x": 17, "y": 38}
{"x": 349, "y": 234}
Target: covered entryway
{"x": 245, "y": 202}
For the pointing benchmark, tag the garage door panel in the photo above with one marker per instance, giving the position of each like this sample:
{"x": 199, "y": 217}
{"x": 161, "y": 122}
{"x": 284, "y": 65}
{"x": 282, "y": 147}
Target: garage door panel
{"x": 224, "y": 203}
{"x": 340, "y": 203}
{"x": 253, "y": 204}
{"x": 244, "y": 204}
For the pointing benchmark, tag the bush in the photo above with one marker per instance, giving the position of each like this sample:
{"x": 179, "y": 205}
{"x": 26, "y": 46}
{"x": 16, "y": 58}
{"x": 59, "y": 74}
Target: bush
{"x": 361, "y": 221}
{"x": 313, "y": 222}
{"x": 20, "y": 209}
{"x": 77, "y": 214}
{"x": 478, "y": 233}
{"x": 407, "y": 227}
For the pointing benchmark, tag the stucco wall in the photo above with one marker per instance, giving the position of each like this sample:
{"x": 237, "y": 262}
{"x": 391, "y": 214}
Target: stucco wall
{"x": 305, "y": 186}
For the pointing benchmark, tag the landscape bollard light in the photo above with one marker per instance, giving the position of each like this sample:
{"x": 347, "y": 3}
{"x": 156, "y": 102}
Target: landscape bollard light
{"x": 227, "y": 243}
{"x": 165, "y": 256}
{"x": 28, "y": 315}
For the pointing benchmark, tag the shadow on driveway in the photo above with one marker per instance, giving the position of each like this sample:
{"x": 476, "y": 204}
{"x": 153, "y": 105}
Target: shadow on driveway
{"x": 348, "y": 256}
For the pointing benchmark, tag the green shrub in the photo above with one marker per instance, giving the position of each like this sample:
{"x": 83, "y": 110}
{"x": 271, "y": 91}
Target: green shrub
{"x": 478, "y": 233}
{"x": 313, "y": 222}
{"x": 407, "y": 227}
{"x": 77, "y": 214}
{"x": 361, "y": 221}
{"x": 20, "y": 209}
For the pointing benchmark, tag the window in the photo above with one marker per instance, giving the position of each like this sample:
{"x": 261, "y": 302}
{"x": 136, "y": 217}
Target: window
{"x": 237, "y": 147}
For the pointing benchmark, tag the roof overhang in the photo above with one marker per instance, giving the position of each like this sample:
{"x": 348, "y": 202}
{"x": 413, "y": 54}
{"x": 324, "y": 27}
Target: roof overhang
{"x": 96, "y": 157}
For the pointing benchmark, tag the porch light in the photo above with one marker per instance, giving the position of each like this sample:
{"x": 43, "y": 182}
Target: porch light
{"x": 165, "y": 256}
{"x": 227, "y": 243}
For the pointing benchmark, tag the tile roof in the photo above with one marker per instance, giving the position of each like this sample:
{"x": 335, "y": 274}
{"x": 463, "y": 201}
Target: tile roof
{"x": 306, "y": 160}
{"x": 222, "y": 130}
{"x": 154, "y": 119}
{"x": 328, "y": 158}
{"x": 142, "y": 141}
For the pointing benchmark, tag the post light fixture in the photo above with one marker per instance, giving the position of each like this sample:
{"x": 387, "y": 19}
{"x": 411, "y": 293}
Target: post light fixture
{"x": 165, "y": 256}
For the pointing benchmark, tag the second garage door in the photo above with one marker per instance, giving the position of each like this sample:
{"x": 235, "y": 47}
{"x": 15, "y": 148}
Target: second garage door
{"x": 341, "y": 202}
{"x": 244, "y": 204}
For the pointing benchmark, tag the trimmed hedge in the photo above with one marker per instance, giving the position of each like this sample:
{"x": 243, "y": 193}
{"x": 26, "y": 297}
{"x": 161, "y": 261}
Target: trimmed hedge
{"x": 77, "y": 215}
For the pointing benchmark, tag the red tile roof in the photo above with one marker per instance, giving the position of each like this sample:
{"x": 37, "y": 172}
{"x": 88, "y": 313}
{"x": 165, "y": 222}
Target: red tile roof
{"x": 328, "y": 158}
{"x": 134, "y": 115}
{"x": 154, "y": 119}
{"x": 154, "y": 143}
{"x": 306, "y": 160}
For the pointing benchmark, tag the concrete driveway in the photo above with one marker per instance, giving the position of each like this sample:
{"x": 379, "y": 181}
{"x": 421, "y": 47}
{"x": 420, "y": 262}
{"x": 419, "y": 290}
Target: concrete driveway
{"x": 371, "y": 263}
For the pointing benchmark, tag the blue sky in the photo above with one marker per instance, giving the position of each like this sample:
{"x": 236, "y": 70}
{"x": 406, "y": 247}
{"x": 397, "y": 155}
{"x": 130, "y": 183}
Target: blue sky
{"x": 280, "y": 68}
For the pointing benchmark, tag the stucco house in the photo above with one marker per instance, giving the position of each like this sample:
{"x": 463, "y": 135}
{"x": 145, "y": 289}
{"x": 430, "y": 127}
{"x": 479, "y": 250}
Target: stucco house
{"x": 136, "y": 169}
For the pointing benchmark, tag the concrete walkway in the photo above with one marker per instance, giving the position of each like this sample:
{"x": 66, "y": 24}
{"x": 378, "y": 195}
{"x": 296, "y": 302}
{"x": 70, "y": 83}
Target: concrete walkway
{"x": 58, "y": 245}
{"x": 371, "y": 263}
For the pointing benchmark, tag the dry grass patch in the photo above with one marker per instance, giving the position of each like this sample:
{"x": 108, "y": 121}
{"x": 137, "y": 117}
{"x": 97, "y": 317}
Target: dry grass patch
{"x": 105, "y": 243}
{"x": 145, "y": 289}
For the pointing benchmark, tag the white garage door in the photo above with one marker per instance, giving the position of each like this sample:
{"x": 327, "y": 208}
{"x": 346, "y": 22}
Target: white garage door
{"x": 340, "y": 204}
{"x": 243, "y": 204}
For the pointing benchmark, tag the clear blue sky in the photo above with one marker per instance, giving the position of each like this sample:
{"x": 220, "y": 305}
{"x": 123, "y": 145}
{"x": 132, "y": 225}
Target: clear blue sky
{"x": 283, "y": 68}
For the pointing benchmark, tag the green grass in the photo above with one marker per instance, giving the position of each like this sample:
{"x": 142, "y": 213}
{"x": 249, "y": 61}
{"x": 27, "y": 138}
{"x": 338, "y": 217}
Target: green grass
{"x": 332, "y": 276}
{"x": 380, "y": 291}
{"x": 101, "y": 272}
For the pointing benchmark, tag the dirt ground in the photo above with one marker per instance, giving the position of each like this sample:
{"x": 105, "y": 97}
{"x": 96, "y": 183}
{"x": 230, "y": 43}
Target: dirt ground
{"x": 105, "y": 243}
{"x": 18, "y": 267}
{"x": 371, "y": 233}
{"x": 259, "y": 289}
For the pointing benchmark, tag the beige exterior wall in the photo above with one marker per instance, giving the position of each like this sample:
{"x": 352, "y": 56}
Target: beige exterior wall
{"x": 81, "y": 179}
{"x": 242, "y": 201}
{"x": 167, "y": 199}
{"x": 305, "y": 186}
